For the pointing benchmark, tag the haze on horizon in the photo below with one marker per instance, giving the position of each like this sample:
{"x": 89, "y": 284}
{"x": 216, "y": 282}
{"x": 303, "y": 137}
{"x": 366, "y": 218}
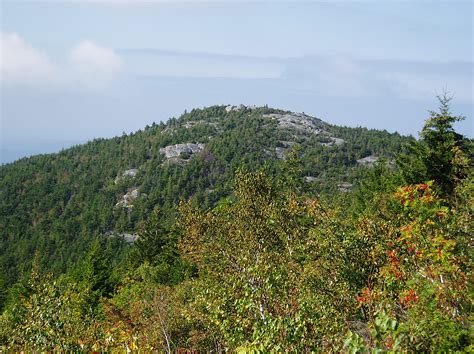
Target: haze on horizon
{"x": 74, "y": 70}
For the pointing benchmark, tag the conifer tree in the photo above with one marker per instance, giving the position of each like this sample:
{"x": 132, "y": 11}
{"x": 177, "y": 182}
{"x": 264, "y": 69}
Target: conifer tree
{"x": 152, "y": 238}
{"x": 437, "y": 154}
{"x": 97, "y": 270}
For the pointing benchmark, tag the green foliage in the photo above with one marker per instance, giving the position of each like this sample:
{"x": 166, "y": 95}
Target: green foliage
{"x": 421, "y": 281}
{"x": 95, "y": 275}
{"x": 268, "y": 262}
{"x": 262, "y": 274}
{"x": 47, "y": 315}
{"x": 60, "y": 203}
{"x": 439, "y": 153}
{"x": 157, "y": 246}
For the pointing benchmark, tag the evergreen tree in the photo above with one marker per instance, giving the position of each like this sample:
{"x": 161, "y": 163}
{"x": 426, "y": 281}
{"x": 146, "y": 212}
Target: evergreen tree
{"x": 96, "y": 272}
{"x": 437, "y": 154}
{"x": 157, "y": 246}
{"x": 153, "y": 238}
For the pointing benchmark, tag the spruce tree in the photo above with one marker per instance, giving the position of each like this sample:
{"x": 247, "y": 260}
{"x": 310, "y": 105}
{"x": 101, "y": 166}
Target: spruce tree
{"x": 96, "y": 272}
{"x": 436, "y": 155}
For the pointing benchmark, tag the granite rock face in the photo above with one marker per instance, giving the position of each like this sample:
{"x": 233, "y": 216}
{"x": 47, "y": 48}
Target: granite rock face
{"x": 172, "y": 151}
{"x": 127, "y": 199}
{"x": 304, "y": 126}
{"x": 333, "y": 142}
{"x": 299, "y": 122}
{"x": 368, "y": 161}
{"x": 240, "y": 107}
{"x": 132, "y": 173}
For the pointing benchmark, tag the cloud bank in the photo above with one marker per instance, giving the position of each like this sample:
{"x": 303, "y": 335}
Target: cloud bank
{"x": 88, "y": 64}
{"x": 20, "y": 63}
{"x": 93, "y": 63}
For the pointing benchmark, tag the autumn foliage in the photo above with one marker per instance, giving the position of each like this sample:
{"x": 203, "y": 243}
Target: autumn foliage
{"x": 273, "y": 269}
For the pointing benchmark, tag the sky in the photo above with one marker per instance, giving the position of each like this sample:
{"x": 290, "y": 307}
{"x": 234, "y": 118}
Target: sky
{"x": 72, "y": 70}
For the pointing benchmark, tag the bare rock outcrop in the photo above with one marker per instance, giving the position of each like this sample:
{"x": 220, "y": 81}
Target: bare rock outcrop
{"x": 333, "y": 142}
{"x": 132, "y": 173}
{"x": 172, "y": 151}
{"x": 240, "y": 107}
{"x": 368, "y": 161}
{"x": 127, "y": 237}
{"x": 300, "y": 122}
{"x": 304, "y": 126}
{"x": 128, "y": 198}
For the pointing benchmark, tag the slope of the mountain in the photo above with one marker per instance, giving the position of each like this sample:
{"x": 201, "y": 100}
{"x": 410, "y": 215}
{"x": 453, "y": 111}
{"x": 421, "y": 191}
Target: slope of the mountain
{"x": 56, "y": 204}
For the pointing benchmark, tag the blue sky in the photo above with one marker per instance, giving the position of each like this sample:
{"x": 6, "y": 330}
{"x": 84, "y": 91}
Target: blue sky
{"x": 75, "y": 70}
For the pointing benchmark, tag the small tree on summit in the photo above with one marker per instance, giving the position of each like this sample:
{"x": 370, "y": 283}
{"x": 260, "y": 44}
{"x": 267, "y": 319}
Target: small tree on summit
{"x": 441, "y": 154}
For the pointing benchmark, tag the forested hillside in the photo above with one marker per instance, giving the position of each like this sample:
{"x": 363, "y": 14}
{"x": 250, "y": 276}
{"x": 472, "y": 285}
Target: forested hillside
{"x": 241, "y": 229}
{"x": 58, "y": 204}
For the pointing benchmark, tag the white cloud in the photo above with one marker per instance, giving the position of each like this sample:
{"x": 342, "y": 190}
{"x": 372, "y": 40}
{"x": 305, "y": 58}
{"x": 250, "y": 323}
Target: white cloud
{"x": 152, "y": 62}
{"x": 89, "y": 65}
{"x": 346, "y": 77}
{"x": 20, "y": 63}
{"x": 94, "y": 64}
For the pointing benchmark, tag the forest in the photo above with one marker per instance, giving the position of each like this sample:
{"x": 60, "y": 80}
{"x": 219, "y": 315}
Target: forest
{"x": 253, "y": 230}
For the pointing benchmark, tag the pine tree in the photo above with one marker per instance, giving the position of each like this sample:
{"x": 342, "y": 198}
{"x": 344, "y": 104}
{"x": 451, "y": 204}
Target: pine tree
{"x": 437, "y": 154}
{"x": 96, "y": 271}
{"x": 152, "y": 239}
{"x": 157, "y": 246}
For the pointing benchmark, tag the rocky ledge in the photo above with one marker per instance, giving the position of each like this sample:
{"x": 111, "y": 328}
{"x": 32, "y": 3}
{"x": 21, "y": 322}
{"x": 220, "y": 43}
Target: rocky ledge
{"x": 298, "y": 121}
{"x": 177, "y": 150}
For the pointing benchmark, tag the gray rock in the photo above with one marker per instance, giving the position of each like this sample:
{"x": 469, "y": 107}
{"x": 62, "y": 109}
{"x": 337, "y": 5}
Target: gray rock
{"x": 333, "y": 142}
{"x": 127, "y": 199}
{"x": 240, "y": 107}
{"x": 287, "y": 144}
{"x": 127, "y": 237}
{"x": 300, "y": 122}
{"x": 310, "y": 179}
{"x": 172, "y": 151}
{"x": 132, "y": 173}
{"x": 175, "y": 161}
{"x": 168, "y": 130}
{"x": 368, "y": 161}
{"x": 280, "y": 152}
{"x": 190, "y": 124}
{"x": 338, "y": 141}
{"x": 345, "y": 186}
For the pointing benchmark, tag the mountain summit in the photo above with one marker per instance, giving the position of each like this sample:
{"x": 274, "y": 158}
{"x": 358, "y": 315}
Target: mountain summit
{"x": 58, "y": 203}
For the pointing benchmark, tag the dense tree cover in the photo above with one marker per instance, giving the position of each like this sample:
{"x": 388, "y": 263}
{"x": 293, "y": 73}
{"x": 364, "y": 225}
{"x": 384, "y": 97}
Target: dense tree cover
{"x": 60, "y": 203}
{"x": 274, "y": 266}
